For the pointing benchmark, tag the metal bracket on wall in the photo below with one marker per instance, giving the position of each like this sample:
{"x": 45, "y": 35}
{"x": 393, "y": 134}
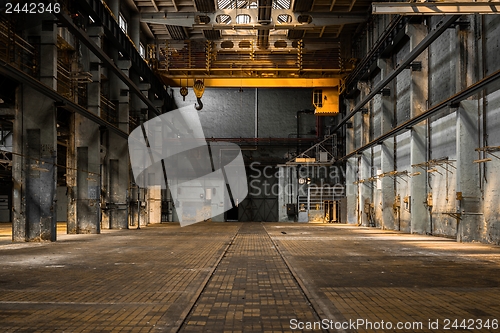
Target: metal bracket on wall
{"x": 487, "y": 150}
{"x": 395, "y": 174}
{"x": 416, "y": 66}
{"x": 436, "y": 162}
{"x": 386, "y": 92}
{"x": 430, "y": 167}
{"x": 456, "y": 215}
{"x": 462, "y": 25}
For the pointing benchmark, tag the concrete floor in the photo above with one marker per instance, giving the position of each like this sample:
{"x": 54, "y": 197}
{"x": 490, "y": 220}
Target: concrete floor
{"x": 248, "y": 277}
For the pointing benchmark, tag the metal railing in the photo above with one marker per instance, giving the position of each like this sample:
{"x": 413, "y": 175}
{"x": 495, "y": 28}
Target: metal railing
{"x": 180, "y": 57}
{"x": 64, "y": 82}
{"x": 15, "y": 50}
{"x": 108, "y": 110}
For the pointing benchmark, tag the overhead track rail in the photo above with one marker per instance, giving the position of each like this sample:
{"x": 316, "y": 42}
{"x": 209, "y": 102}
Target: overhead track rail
{"x": 102, "y": 16}
{"x": 85, "y": 39}
{"x": 192, "y": 19}
{"x": 453, "y": 101}
{"x": 13, "y": 73}
{"x": 231, "y": 82}
{"x": 431, "y": 37}
{"x": 436, "y": 8}
{"x": 386, "y": 41}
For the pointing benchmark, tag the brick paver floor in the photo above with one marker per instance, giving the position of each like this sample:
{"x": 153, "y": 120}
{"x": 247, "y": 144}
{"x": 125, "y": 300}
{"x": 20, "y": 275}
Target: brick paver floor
{"x": 377, "y": 275}
{"x": 248, "y": 277}
{"x": 251, "y": 290}
{"x": 120, "y": 281}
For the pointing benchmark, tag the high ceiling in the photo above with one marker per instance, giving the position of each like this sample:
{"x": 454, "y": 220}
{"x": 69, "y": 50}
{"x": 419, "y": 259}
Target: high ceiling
{"x": 253, "y": 38}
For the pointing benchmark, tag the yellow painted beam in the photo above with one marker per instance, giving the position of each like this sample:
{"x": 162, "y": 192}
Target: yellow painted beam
{"x": 254, "y": 82}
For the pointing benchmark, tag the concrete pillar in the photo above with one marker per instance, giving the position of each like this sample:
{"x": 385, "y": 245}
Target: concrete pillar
{"x": 35, "y": 148}
{"x": 470, "y": 203}
{"x": 117, "y": 163}
{"x": 86, "y": 153}
{"x": 362, "y": 131}
{"x": 282, "y": 198}
{"x": 134, "y": 30}
{"x": 365, "y": 188}
{"x": 350, "y": 141}
{"x": 419, "y": 218}
{"x": 150, "y": 194}
{"x": 387, "y": 150}
{"x": 287, "y": 194}
{"x": 352, "y": 190}
{"x": 364, "y": 116}
{"x": 114, "y": 5}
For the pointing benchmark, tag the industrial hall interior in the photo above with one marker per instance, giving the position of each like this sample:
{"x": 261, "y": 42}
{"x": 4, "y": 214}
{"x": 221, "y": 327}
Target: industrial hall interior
{"x": 249, "y": 165}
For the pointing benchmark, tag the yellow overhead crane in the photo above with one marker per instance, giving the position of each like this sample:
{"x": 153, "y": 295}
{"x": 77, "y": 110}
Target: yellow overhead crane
{"x": 325, "y": 90}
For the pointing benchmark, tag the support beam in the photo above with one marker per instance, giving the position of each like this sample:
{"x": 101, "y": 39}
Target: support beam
{"x": 364, "y": 189}
{"x": 227, "y": 82}
{"x": 189, "y": 19}
{"x": 34, "y": 170}
{"x": 153, "y": 2}
{"x": 352, "y": 5}
{"x": 9, "y": 71}
{"x": 352, "y": 190}
{"x": 435, "y": 8}
{"x": 419, "y": 218}
{"x": 469, "y": 203}
{"x": 387, "y": 189}
{"x": 453, "y": 100}
{"x": 333, "y": 5}
{"x": 85, "y": 39}
{"x": 107, "y": 17}
{"x": 431, "y": 37}
{"x": 116, "y": 168}
{"x": 85, "y": 157}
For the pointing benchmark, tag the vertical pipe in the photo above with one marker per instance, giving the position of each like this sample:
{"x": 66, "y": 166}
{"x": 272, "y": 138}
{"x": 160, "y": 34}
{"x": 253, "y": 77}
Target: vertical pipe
{"x": 138, "y": 207}
{"x": 485, "y": 96}
{"x": 256, "y": 113}
{"x": 99, "y": 209}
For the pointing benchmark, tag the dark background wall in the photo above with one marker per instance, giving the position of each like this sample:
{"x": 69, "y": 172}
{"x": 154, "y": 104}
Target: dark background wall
{"x": 230, "y": 113}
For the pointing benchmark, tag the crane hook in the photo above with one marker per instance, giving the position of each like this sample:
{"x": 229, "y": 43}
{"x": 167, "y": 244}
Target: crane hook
{"x": 199, "y": 89}
{"x": 198, "y": 106}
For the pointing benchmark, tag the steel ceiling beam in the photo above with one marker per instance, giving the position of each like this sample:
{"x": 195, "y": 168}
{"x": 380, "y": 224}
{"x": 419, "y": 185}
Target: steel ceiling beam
{"x": 153, "y": 2}
{"x": 436, "y": 8}
{"x": 94, "y": 48}
{"x": 190, "y": 19}
{"x": 452, "y": 101}
{"x": 231, "y": 82}
{"x": 431, "y": 37}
